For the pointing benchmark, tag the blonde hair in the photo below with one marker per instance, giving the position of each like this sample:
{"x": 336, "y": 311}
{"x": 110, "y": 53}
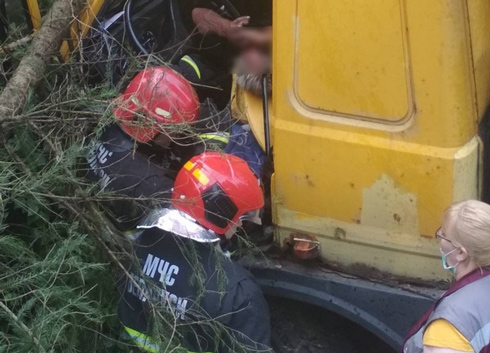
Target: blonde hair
{"x": 469, "y": 226}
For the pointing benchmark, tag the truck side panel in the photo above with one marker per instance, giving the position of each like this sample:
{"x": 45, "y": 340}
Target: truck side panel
{"x": 375, "y": 132}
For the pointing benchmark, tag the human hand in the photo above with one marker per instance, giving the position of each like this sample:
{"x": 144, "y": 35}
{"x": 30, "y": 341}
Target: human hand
{"x": 245, "y": 37}
{"x": 240, "y": 21}
{"x": 235, "y": 27}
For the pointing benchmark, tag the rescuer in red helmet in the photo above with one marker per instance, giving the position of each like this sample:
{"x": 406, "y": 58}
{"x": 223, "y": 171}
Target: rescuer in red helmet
{"x": 183, "y": 272}
{"x": 156, "y": 98}
{"x": 136, "y": 157}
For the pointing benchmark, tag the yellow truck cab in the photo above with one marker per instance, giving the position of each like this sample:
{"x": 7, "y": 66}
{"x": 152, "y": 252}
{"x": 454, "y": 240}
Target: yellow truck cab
{"x": 375, "y": 116}
{"x": 374, "y": 121}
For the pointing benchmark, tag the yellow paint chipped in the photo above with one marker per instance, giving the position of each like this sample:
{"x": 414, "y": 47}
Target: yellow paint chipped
{"x": 396, "y": 252}
{"x": 386, "y": 206}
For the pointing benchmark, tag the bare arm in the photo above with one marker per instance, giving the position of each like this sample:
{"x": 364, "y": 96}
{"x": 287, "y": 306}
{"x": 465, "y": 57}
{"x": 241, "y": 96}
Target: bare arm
{"x": 261, "y": 37}
{"x": 432, "y": 349}
{"x": 209, "y": 22}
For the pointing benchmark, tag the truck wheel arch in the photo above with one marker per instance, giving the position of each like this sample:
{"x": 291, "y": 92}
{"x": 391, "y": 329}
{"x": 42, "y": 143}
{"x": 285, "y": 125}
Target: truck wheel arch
{"x": 387, "y": 312}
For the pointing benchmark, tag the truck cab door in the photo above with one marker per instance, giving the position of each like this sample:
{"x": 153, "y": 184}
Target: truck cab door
{"x": 376, "y": 106}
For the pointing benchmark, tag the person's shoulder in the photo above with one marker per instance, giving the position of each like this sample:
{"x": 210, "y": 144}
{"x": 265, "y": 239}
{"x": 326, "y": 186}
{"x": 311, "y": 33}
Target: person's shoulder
{"x": 474, "y": 290}
{"x": 153, "y": 236}
{"x": 114, "y": 138}
{"x": 240, "y": 279}
{"x": 474, "y": 297}
{"x": 464, "y": 307}
{"x": 217, "y": 264}
{"x": 111, "y": 131}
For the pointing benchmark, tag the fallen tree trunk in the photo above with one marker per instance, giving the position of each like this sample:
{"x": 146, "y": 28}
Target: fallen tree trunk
{"x": 31, "y": 69}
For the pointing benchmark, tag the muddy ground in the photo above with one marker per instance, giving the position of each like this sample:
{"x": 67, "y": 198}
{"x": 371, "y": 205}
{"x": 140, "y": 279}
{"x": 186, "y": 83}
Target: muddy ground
{"x": 301, "y": 328}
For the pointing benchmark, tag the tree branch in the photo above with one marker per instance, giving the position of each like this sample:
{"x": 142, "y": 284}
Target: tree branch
{"x": 22, "y": 326}
{"x": 45, "y": 45}
{"x": 8, "y": 48}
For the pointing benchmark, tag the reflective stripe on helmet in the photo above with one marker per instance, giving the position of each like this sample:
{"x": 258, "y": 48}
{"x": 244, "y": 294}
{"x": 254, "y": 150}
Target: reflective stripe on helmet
{"x": 193, "y": 64}
{"x": 200, "y": 176}
{"x": 143, "y": 341}
{"x": 189, "y": 165}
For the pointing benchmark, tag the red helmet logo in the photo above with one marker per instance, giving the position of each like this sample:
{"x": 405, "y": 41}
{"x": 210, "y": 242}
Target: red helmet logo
{"x": 216, "y": 190}
{"x": 155, "y": 97}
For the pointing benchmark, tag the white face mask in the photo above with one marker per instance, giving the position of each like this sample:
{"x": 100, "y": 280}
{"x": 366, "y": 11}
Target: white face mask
{"x": 445, "y": 265}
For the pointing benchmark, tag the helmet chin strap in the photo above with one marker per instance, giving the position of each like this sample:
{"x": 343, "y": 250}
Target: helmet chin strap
{"x": 231, "y": 232}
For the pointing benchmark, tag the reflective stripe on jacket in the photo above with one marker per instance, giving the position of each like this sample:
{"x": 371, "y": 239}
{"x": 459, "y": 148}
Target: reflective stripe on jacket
{"x": 145, "y": 342}
{"x": 465, "y": 306}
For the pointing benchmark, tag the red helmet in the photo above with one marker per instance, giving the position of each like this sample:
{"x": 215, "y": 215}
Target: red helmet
{"x": 161, "y": 96}
{"x": 217, "y": 190}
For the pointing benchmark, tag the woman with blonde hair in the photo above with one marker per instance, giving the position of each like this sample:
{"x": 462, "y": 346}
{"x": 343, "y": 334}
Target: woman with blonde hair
{"x": 460, "y": 320}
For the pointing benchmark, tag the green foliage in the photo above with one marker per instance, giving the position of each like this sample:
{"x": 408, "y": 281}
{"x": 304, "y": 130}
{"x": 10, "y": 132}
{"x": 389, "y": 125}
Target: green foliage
{"x": 57, "y": 291}
{"x": 57, "y": 279}
{"x": 57, "y": 287}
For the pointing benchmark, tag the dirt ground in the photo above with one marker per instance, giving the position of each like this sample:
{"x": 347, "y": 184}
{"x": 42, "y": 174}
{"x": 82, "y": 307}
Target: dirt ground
{"x": 300, "y": 328}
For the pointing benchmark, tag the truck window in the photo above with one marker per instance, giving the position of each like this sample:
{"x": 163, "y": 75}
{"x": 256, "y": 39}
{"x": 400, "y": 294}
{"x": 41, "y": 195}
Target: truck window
{"x": 345, "y": 65}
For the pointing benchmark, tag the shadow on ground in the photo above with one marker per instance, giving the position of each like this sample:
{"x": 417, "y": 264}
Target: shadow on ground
{"x": 302, "y": 328}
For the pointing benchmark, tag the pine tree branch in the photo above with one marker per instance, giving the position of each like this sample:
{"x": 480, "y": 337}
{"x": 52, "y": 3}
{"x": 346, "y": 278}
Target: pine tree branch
{"x": 93, "y": 224}
{"x": 45, "y": 45}
{"x": 19, "y": 323}
{"x": 8, "y": 48}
